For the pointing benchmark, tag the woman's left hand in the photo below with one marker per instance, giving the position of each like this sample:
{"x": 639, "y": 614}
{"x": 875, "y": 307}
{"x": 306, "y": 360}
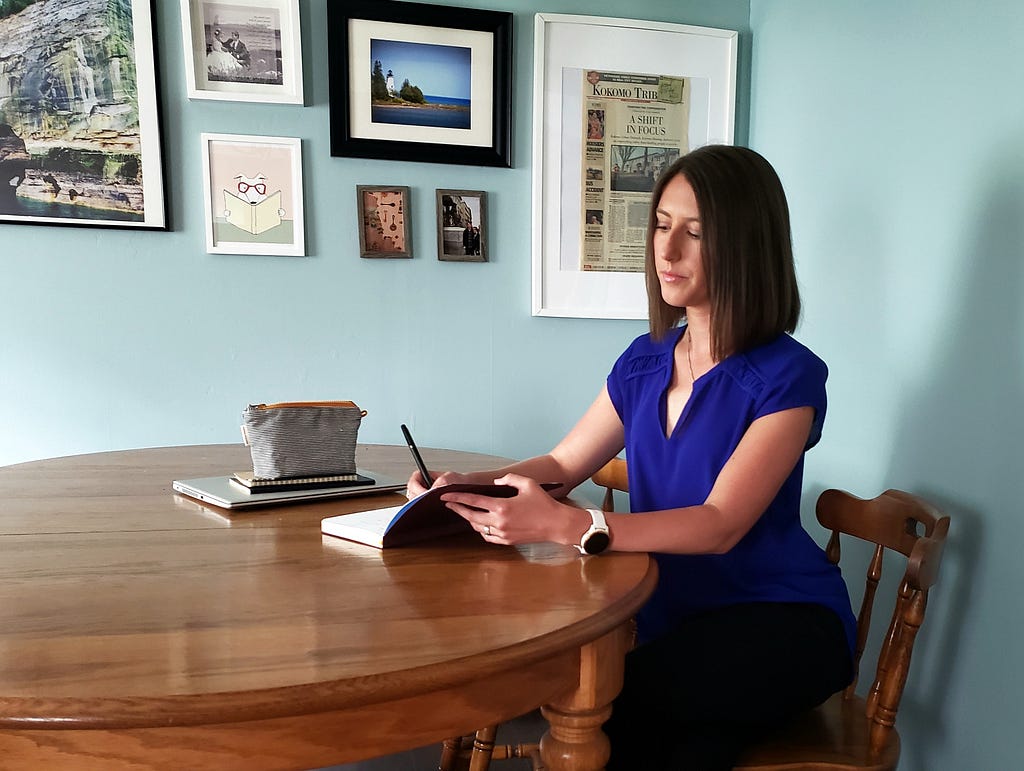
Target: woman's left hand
{"x": 531, "y": 516}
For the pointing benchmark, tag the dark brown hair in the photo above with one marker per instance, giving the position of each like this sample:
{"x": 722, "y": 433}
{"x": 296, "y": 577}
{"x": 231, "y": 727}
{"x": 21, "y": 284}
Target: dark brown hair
{"x": 746, "y": 249}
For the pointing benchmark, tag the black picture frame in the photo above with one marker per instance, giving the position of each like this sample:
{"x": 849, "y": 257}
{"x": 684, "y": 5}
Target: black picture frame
{"x": 82, "y": 151}
{"x": 356, "y": 28}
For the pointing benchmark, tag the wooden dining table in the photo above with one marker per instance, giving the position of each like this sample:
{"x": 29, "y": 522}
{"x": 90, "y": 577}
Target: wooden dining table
{"x": 142, "y": 629}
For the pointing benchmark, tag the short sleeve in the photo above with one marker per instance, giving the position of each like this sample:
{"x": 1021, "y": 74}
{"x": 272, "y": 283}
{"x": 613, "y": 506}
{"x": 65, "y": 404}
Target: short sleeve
{"x": 630, "y": 375}
{"x": 798, "y": 382}
{"x": 615, "y": 381}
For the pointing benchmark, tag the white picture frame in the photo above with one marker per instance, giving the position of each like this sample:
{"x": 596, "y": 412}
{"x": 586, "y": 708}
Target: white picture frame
{"x": 253, "y": 195}
{"x": 565, "y": 46}
{"x": 267, "y": 67}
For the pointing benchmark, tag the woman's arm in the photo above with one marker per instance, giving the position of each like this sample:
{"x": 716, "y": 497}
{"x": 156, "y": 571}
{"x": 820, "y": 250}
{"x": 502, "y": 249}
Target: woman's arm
{"x": 750, "y": 479}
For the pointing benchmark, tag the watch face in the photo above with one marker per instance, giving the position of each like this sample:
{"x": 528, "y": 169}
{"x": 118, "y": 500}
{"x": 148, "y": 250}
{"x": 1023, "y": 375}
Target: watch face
{"x": 596, "y": 543}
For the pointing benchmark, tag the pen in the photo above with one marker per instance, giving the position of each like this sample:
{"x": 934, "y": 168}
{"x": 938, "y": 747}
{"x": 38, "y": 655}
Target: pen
{"x": 429, "y": 480}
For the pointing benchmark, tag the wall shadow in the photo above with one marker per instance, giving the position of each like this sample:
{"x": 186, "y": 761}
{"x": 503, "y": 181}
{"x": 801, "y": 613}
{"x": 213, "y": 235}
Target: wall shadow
{"x": 958, "y": 446}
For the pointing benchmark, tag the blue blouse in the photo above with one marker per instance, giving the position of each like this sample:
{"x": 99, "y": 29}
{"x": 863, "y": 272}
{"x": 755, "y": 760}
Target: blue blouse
{"x": 777, "y": 561}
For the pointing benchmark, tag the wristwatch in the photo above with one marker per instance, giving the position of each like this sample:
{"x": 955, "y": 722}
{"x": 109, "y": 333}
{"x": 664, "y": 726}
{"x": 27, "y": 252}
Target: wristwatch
{"x": 597, "y": 538}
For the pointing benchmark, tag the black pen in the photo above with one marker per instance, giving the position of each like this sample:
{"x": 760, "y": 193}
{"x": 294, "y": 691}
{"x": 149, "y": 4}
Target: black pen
{"x": 429, "y": 480}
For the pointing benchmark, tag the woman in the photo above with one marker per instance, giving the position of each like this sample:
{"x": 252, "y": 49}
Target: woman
{"x": 219, "y": 60}
{"x": 715, "y": 407}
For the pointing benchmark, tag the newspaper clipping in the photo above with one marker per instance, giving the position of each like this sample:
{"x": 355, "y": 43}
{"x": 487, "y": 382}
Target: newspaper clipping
{"x": 634, "y": 126}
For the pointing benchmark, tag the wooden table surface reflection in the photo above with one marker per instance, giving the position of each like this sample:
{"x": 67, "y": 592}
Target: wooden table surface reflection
{"x": 141, "y": 629}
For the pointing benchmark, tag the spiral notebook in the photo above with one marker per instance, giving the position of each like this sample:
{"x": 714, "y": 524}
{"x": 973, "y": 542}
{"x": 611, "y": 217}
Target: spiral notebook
{"x": 259, "y": 485}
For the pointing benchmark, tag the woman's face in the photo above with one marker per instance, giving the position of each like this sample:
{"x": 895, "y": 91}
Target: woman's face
{"x": 677, "y": 246}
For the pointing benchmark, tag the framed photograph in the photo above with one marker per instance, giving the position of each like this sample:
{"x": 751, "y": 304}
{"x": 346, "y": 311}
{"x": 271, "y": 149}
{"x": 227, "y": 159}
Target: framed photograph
{"x": 79, "y": 116}
{"x": 243, "y": 51}
{"x": 420, "y": 82}
{"x": 615, "y": 102}
{"x": 462, "y": 225}
{"x": 385, "y": 224}
{"x": 253, "y": 189}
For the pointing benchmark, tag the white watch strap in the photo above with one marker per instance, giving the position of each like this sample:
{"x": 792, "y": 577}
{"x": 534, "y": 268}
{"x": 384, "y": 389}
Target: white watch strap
{"x": 598, "y": 524}
{"x": 597, "y": 516}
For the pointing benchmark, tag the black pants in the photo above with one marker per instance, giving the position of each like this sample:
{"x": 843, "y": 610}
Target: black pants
{"x": 693, "y": 699}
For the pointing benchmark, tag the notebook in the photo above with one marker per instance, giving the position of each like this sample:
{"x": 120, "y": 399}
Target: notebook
{"x": 425, "y": 516}
{"x": 259, "y": 485}
{"x": 221, "y": 491}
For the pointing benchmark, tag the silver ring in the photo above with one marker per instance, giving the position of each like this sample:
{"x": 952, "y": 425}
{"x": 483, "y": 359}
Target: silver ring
{"x": 487, "y": 530}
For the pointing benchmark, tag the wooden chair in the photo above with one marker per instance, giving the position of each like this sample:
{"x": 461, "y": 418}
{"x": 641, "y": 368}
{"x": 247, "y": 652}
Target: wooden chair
{"x": 611, "y": 476}
{"x": 849, "y": 732}
{"x": 475, "y": 752}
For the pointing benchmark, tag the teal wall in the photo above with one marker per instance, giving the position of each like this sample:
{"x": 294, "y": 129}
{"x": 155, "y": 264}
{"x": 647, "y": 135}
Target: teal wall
{"x": 115, "y": 339}
{"x": 897, "y": 129}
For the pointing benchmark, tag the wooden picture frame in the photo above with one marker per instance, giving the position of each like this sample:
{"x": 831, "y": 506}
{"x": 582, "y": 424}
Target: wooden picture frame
{"x": 461, "y": 225}
{"x": 568, "y": 52}
{"x": 253, "y": 195}
{"x": 465, "y": 54}
{"x": 243, "y": 50}
{"x": 385, "y": 222}
{"x": 80, "y": 127}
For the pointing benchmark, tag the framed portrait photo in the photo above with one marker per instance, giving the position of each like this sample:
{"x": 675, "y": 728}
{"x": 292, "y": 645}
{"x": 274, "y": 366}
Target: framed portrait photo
{"x": 420, "y": 82}
{"x": 462, "y": 225}
{"x": 385, "y": 224}
{"x": 79, "y": 115}
{"x": 243, "y": 50}
{"x": 253, "y": 188}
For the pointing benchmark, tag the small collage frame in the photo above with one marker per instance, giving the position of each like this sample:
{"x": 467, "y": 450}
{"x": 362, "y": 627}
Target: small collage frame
{"x": 251, "y": 52}
{"x": 385, "y": 223}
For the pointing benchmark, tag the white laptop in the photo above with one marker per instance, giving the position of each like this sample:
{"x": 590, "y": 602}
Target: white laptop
{"x": 221, "y": 491}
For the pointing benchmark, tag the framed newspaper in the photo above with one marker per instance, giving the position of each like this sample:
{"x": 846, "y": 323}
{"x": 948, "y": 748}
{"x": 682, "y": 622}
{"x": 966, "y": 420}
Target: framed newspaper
{"x": 253, "y": 195}
{"x": 615, "y": 102}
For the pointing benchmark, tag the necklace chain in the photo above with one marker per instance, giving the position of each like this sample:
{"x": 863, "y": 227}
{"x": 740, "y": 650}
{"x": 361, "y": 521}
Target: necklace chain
{"x": 689, "y": 359}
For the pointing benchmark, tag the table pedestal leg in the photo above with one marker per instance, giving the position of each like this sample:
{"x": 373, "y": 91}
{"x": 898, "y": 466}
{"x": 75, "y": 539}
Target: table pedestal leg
{"x": 575, "y": 741}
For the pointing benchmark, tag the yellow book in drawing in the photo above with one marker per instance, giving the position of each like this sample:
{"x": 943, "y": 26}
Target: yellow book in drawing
{"x": 253, "y": 218}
